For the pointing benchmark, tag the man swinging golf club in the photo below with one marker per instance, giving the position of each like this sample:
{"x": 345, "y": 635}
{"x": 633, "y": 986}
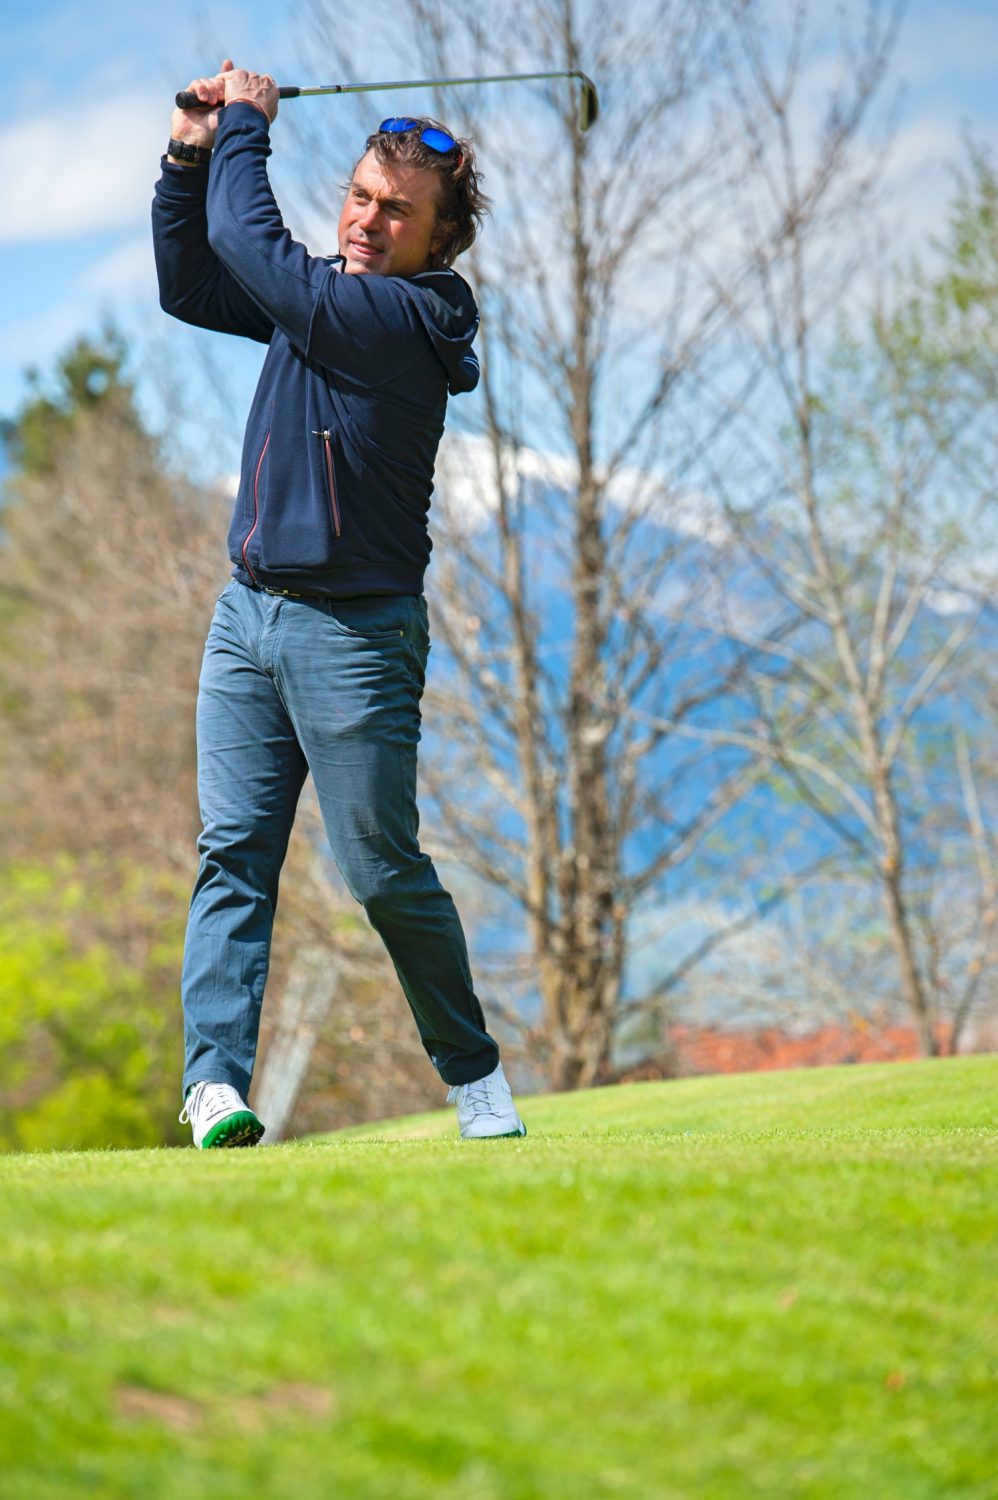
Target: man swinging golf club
{"x": 316, "y": 654}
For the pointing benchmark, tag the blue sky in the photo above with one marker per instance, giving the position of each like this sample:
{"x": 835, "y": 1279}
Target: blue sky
{"x": 89, "y": 91}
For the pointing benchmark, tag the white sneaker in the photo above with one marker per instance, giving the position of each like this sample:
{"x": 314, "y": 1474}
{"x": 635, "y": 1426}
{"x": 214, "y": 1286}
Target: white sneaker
{"x": 486, "y": 1108}
{"x": 219, "y": 1117}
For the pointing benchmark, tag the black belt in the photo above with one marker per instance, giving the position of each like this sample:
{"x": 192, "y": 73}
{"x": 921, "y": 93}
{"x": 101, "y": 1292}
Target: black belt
{"x": 314, "y": 594}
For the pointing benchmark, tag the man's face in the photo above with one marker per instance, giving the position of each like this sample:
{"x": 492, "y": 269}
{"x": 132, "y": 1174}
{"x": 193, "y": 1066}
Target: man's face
{"x": 388, "y": 226}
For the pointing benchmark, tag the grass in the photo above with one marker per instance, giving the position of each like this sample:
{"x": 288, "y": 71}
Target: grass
{"x": 777, "y": 1285}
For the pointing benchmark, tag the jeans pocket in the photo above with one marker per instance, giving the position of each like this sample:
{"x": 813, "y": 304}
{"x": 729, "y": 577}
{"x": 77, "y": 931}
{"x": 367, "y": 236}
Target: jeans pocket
{"x": 372, "y": 617}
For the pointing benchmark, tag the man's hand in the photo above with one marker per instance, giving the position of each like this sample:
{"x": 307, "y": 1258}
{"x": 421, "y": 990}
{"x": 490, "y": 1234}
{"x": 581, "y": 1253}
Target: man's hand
{"x": 251, "y": 88}
{"x": 198, "y": 126}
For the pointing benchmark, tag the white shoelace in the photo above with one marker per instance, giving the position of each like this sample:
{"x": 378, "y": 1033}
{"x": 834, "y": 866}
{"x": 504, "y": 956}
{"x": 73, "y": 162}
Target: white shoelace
{"x": 209, "y": 1099}
{"x": 480, "y": 1096}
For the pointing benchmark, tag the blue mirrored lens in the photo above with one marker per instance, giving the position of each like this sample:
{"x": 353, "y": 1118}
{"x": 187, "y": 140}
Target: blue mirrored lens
{"x": 437, "y": 140}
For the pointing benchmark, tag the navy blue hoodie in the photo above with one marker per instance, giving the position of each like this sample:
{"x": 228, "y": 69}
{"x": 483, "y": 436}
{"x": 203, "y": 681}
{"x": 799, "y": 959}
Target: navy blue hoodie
{"x": 342, "y": 435}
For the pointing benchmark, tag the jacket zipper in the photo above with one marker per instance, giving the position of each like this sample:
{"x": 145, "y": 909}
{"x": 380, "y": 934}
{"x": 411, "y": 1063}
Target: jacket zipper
{"x": 256, "y": 507}
{"x": 325, "y": 434}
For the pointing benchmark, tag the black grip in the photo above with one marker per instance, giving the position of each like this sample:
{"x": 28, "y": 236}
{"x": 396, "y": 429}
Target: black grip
{"x": 187, "y": 100}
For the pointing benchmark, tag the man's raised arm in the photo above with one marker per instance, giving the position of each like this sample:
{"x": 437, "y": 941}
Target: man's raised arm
{"x": 366, "y": 327}
{"x": 194, "y": 285}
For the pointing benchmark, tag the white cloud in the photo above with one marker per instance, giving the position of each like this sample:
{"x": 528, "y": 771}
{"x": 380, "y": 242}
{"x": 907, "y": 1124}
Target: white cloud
{"x": 950, "y": 602}
{"x": 32, "y": 340}
{"x": 129, "y": 270}
{"x": 467, "y": 495}
{"x": 124, "y": 278}
{"x": 919, "y": 182}
{"x": 62, "y": 180}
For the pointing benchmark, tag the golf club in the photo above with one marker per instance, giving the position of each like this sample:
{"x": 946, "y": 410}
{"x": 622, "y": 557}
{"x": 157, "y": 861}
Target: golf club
{"x": 588, "y": 104}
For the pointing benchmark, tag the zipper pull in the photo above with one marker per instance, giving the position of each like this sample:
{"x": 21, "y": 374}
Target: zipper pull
{"x": 325, "y": 434}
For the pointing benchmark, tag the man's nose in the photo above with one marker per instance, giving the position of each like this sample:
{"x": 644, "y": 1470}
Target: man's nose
{"x": 369, "y": 214}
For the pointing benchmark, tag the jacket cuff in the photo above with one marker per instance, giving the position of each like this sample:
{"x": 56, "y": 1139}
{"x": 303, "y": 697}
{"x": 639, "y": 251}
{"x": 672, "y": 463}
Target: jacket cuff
{"x": 184, "y": 182}
{"x": 240, "y": 116}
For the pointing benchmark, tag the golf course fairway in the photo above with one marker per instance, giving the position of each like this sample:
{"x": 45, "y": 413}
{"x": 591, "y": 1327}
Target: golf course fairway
{"x": 771, "y": 1285}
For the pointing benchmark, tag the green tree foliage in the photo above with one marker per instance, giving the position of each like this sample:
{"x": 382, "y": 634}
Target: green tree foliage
{"x": 89, "y": 377}
{"x": 89, "y": 1043}
{"x": 970, "y": 283}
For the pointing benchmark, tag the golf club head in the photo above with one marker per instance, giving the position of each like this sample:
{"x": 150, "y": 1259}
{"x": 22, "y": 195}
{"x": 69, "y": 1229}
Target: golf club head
{"x": 588, "y": 104}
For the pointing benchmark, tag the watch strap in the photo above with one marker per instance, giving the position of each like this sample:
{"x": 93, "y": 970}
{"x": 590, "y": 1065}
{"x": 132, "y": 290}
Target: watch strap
{"x": 185, "y": 151}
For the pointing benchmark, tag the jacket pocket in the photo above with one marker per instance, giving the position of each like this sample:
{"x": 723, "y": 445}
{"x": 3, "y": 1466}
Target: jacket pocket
{"x": 334, "y": 509}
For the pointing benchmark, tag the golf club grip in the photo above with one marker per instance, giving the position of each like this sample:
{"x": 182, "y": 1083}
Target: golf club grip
{"x": 187, "y": 100}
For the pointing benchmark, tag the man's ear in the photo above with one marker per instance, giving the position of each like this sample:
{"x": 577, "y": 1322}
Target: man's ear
{"x": 438, "y": 240}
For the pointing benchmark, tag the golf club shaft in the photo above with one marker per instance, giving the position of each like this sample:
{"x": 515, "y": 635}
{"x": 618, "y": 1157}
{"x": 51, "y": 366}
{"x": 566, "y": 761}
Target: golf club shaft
{"x": 590, "y": 106}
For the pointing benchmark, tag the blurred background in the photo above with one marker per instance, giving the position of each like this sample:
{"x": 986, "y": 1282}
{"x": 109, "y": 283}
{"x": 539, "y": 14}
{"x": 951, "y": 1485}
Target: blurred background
{"x": 709, "y": 738}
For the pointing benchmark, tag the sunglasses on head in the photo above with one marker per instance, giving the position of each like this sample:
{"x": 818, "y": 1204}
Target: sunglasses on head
{"x": 437, "y": 140}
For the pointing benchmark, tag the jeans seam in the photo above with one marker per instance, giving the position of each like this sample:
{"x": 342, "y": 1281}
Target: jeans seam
{"x": 417, "y": 667}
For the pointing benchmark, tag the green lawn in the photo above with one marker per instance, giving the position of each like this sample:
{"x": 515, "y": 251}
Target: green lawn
{"x": 772, "y": 1285}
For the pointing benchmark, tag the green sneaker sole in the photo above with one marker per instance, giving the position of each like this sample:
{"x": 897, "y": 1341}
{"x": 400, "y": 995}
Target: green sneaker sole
{"x": 239, "y": 1129}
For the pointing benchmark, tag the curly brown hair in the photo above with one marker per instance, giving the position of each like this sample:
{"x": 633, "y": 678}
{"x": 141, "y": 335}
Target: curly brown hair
{"x": 461, "y": 204}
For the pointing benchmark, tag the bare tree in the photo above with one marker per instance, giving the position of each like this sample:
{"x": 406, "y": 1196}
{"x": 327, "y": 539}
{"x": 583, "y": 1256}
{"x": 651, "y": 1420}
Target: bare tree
{"x": 610, "y": 282}
{"x": 866, "y": 509}
{"x": 956, "y": 915}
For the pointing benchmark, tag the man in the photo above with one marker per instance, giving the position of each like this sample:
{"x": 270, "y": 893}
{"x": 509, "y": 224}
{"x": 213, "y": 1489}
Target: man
{"x": 316, "y": 655}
